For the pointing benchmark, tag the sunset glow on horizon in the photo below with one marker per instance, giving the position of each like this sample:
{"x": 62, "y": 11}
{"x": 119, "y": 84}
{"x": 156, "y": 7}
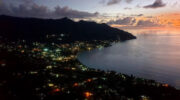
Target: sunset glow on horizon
{"x": 168, "y": 20}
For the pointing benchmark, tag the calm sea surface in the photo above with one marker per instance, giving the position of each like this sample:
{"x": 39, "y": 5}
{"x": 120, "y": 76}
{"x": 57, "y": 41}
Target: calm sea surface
{"x": 155, "y": 54}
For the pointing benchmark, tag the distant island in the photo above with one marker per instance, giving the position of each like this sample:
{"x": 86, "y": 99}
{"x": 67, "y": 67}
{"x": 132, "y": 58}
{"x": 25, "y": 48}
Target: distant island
{"x": 37, "y": 29}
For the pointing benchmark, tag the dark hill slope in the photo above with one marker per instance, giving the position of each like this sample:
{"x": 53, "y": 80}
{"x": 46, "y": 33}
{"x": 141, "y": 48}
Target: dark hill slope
{"x": 36, "y": 29}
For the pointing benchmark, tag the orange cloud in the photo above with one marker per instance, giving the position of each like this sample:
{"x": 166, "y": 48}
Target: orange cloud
{"x": 171, "y": 19}
{"x": 117, "y": 25}
{"x": 157, "y": 21}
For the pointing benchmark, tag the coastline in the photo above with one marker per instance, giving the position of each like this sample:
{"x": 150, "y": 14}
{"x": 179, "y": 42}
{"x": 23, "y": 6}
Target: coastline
{"x": 108, "y": 45}
{"x": 107, "y": 68}
{"x": 61, "y": 74}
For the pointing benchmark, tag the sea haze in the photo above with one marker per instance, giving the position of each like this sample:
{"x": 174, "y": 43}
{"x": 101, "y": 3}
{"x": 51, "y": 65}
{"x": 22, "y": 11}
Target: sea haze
{"x": 155, "y": 54}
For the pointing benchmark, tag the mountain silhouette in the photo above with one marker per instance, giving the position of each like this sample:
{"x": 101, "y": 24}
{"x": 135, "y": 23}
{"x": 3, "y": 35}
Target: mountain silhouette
{"x": 35, "y": 29}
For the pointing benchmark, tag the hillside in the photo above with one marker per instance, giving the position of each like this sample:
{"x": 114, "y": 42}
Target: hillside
{"x": 37, "y": 29}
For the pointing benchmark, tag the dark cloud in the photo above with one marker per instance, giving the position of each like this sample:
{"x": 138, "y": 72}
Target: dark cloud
{"x": 30, "y": 9}
{"x": 137, "y": 15}
{"x": 156, "y": 4}
{"x": 113, "y": 2}
{"x": 140, "y": 15}
{"x": 66, "y": 11}
{"x": 124, "y": 21}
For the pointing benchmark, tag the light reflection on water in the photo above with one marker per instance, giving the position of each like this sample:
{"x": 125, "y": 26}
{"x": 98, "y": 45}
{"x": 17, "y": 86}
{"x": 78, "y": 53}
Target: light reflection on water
{"x": 155, "y": 54}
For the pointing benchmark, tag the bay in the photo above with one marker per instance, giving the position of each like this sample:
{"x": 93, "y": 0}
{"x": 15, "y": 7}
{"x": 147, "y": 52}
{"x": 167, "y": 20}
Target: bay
{"x": 155, "y": 54}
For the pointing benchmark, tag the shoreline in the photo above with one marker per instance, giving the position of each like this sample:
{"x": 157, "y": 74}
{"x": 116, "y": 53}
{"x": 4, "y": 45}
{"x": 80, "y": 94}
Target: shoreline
{"x": 114, "y": 70}
{"x": 117, "y": 71}
{"x": 61, "y": 74}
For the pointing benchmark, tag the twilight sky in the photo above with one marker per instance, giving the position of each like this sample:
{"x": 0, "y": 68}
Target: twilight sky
{"x": 117, "y": 13}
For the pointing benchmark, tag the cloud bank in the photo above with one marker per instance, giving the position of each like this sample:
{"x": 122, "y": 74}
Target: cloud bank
{"x": 132, "y": 22}
{"x": 123, "y": 21}
{"x": 113, "y": 2}
{"x": 30, "y": 9}
{"x": 156, "y": 4}
{"x": 147, "y": 23}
